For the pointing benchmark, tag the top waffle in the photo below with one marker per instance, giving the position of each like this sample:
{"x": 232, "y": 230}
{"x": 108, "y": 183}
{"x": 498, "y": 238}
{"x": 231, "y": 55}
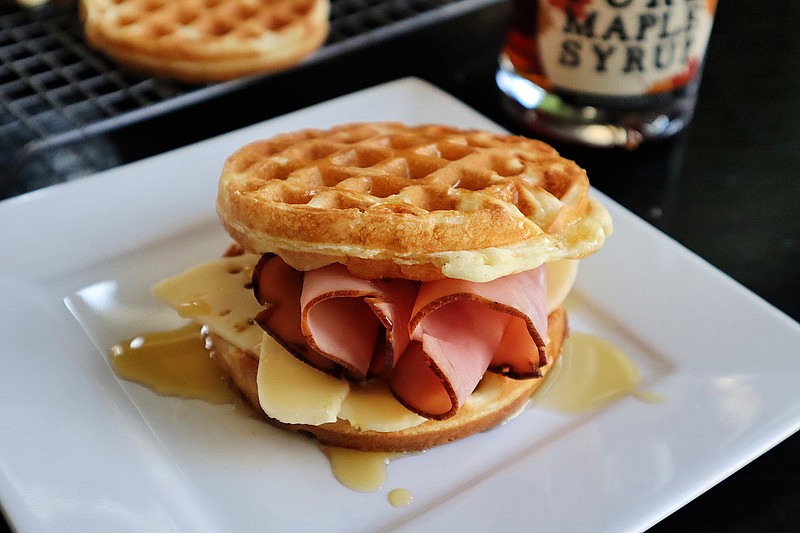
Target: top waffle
{"x": 205, "y": 40}
{"x": 418, "y": 202}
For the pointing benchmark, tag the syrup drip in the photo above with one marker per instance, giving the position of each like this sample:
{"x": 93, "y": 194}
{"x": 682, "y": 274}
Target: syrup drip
{"x": 357, "y": 470}
{"x": 365, "y": 472}
{"x": 172, "y": 363}
{"x": 400, "y": 497}
{"x": 591, "y": 374}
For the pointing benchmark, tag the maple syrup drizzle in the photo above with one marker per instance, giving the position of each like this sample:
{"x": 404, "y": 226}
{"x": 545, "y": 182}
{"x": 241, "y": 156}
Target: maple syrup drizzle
{"x": 172, "y": 363}
{"x": 400, "y": 497}
{"x": 365, "y": 472}
{"x": 358, "y": 470}
{"x": 591, "y": 374}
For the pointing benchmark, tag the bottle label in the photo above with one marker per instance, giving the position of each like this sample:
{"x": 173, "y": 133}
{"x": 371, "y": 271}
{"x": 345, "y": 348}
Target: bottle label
{"x": 622, "y": 47}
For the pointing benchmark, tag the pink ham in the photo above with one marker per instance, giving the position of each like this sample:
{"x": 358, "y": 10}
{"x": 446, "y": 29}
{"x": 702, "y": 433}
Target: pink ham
{"x": 465, "y": 328}
{"x": 450, "y": 354}
{"x": 433, "y": 341}
{"x": 278, "y": 288}
{"x": 359, "y": 324}
{"x": 332, "y": 320}
{"x": 521, "y": 296}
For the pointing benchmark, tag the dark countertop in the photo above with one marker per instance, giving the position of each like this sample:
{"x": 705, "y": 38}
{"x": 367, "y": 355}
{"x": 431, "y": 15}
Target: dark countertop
{"x": 728, "y": 188}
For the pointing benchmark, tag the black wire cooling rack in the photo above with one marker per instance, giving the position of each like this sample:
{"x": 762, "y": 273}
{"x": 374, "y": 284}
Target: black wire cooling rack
{"x": 54, "y": 90}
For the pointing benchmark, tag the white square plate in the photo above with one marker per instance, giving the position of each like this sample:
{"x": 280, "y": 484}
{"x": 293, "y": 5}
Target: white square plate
{"x": 81, "y": 450}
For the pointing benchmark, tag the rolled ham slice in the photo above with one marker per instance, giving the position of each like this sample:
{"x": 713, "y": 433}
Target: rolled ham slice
{"x": 359, "y": 324}
{"x": 463, "y": 329}
{"x": 332, "y": 320}
{"x": 523, "y": 297}
{"x": 447, "y": 359}
{"x": 433, "y": 341}
{"x": 278, "y": 287}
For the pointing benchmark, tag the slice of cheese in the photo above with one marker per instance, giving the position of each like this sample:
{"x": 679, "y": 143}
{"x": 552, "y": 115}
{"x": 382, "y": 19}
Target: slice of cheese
{"x": 295, "y": 393}
{"x": 218, "y": 294}
{"x": 560, "y": 279}
{"x": 373, "y": 407}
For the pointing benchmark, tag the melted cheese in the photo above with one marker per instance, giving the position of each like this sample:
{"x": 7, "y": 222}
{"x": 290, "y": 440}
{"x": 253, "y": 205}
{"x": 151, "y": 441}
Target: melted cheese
{"x": 560, "y": 279}
{"x": 218, "y": 295}
{"x": 373, "y": 407}
{"x": 281, "y": 375}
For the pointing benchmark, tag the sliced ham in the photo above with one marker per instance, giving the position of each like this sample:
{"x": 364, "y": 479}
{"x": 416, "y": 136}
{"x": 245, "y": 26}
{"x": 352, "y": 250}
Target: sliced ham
{"x": 278, "y": 287}
{"x": 433, "y": 342}
{"x": 359, "y": 324}
{"x": 451, "y": 351}
{"x": 466, "y": 328}
{"x": 520, "y": 296}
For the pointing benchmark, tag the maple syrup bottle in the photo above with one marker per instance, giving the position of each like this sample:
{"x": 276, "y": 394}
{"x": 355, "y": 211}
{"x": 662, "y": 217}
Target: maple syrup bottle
{"x": 605, "y": 73}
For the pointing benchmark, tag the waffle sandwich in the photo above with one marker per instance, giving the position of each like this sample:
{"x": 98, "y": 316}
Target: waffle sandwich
{"x": 392, "y": 287}
{"x": 205, "y": 40}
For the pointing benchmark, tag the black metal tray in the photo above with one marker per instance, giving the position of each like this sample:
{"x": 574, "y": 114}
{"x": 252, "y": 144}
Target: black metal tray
{"x": 55, "y": 91}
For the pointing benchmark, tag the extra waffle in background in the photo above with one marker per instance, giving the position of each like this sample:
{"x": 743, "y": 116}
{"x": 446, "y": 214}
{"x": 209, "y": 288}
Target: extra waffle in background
{"x": 205, "y": 40}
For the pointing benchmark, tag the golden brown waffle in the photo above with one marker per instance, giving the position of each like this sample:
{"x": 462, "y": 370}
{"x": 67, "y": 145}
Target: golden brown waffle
{"x": 418, "y": 202}
{"x": 205, "y": 40}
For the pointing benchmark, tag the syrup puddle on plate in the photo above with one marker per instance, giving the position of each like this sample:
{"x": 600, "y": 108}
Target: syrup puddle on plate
{"x": 365, "y": 472}
{"x": 591, "y": 374}
{"x": 177, "y": 363}
{"x": 357, "y": 470}
{"x": 400, "y": 497}
{"x": 172, "y": 363}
